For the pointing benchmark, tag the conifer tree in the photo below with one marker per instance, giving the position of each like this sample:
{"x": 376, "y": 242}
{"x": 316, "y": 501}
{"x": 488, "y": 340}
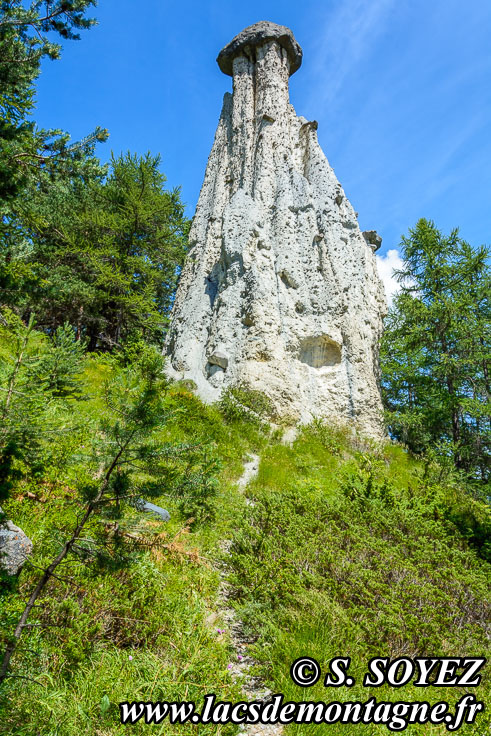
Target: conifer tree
{"x": 99, "y": 249}
{"x": 435, "y": 351}
{"x": 24, "y": 42}
{"x": 29, "y": 155}
{"x": 36, "y": 373}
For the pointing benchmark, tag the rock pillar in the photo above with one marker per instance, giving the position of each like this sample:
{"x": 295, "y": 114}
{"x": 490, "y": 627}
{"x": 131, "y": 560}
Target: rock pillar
{"x": 280, "y": 290}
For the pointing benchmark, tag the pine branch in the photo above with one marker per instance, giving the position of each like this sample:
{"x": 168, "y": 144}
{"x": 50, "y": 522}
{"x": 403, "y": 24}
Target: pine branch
{"x": 49, "y": 571}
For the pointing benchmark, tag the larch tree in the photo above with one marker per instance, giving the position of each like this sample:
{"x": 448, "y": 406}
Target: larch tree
{"x": 435, "y": 351}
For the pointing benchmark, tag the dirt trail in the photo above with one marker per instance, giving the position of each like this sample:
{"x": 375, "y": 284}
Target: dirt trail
{"x": 252, "y": 687}
{"x": 250, "y": 471}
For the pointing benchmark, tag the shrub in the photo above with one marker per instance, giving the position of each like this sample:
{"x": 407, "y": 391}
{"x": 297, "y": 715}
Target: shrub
{"x": 241, "y": 403}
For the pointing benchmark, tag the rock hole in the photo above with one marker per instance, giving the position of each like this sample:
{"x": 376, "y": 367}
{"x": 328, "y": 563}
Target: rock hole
{"x": 320, "y": 351}
{"x": 212, "y": 369}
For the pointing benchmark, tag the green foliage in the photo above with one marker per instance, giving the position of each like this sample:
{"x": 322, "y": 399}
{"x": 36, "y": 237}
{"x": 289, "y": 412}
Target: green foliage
{"x": 345, "y": 550}
{"x": 349, "y": 553}
{"x": 200, "y": 485}
{"x": 128, "y": 616}
{"x": 99, "y": 250}
{"x": 60, "y": 364}
{"x": 241, "y": 403}
{"x": 39, "y": 383}
{"x": 42, "y": 392}
{"x": 33, "y": 161}
{"x": 25, "y": 409}
{"x": 25, "y": 39}
{"x": 435, "y": 350}
{"x": 136, "y": 397}
{"x": 332, "y": 438}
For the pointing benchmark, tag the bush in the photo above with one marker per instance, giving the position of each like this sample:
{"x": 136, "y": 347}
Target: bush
{"x": 240, "y": 403}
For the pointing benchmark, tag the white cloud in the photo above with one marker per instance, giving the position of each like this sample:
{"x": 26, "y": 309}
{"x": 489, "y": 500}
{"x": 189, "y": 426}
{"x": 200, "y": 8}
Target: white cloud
{"x": 386, "y": 265}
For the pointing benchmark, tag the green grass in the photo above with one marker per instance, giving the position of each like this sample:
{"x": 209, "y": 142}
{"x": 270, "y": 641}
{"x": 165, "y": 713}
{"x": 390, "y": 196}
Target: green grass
{"x": 147, "y": 631}
{"x": 348, "y": 550}
{"x": 352, "y": 552}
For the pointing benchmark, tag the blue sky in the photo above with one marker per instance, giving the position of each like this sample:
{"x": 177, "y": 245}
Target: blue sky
{"x": 401, "y": 90}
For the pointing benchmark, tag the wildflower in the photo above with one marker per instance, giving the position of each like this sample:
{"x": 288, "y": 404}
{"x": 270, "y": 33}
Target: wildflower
{"x": 229, "y": 667}
{"x": 130, "y": 657}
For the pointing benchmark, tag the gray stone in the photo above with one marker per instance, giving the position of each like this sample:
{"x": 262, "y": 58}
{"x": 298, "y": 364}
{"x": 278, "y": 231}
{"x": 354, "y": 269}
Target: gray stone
{"x": 15, "y": 547}
{"x": 250, "y": 38}
{"x": 279, "y": 278}
{"x": 163, "y": 513}
{"x": 373, "y": 239}
{"x": 218, "y": 358}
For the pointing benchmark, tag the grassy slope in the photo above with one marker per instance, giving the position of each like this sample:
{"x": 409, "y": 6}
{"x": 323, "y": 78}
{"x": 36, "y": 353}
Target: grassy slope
{"x": 350, "y": 552}
{"x": 345, "y": 552}
{"x": 160, "y": 611}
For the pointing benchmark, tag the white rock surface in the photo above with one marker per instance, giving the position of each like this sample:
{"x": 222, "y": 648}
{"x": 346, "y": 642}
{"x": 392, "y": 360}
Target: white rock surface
{"x": 15, "y": 547}
{"x": 280, "y": 290}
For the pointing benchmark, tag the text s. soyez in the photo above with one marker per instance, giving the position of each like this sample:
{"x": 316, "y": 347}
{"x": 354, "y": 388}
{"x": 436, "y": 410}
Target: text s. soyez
{"x": 421, "y": 671}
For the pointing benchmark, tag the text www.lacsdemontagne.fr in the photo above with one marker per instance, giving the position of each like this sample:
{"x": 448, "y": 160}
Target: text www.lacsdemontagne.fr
{"x": 396, "y": 716}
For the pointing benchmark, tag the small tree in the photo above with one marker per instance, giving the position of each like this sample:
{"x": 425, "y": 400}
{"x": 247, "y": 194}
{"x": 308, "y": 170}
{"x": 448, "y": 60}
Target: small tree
{"x": 23, "y": 407}
{"x": 60, "y": 363}
{"x": 435, "y": 349}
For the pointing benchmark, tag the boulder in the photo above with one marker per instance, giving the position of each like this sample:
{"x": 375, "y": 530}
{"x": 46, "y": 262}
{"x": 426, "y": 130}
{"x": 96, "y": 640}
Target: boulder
{"x": 373, "y": 239}
{"x": 218, "y": 358}
{"x": 15, "y": 547}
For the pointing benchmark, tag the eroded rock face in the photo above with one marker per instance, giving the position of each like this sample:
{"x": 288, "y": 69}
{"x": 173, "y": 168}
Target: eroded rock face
{"x": 280, "y": 290}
